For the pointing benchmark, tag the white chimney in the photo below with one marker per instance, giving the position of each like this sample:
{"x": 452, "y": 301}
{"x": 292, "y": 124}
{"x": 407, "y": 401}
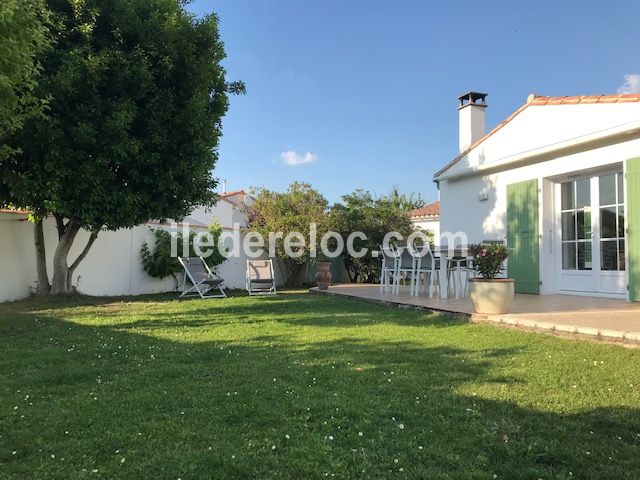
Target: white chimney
{"x": 471, "y": 117}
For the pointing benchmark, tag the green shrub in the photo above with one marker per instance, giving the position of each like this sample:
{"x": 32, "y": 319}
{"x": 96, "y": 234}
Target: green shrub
{"x": 159, "y": 263}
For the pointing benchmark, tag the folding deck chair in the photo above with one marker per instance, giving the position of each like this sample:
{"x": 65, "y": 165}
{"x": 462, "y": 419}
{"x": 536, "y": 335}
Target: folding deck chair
{"x": 201, "y": 278}
{"x": 260, "y": 277}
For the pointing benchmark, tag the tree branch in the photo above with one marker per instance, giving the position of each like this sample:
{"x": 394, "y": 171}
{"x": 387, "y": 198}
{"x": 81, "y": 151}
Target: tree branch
{"x": 85, "y": 251}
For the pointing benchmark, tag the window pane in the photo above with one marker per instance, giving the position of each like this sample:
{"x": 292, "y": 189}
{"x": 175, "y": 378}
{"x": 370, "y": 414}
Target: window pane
{"x": 584, "y": 255}
{"x": 567, "y": 196}
{"x": 608, "y": 189}
{"x": 583, "y": 218}
{"x": 621, "y": 260}
{"x": 608, "y": 222}
{"x": 620, "y": 188}
{"x": 583, "y": 193}
{"x": 621, "y": 221}
{"x": 568, "y": 226}
{"x": 569, "y": 256}
{"x": 609, "y": 255}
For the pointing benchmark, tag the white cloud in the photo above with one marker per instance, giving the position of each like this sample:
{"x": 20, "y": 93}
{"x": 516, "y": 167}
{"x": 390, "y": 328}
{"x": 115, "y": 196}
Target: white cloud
{"x": 294, "y": 159}
{"x": 631, "y": 83}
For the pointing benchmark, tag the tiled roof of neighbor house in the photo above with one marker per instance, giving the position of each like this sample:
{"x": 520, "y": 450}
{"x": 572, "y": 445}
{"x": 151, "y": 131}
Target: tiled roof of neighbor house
{"x": 231, "y": 194}
{"x": 14, "y": 211}
{"x": 534, "y": 99}
{"x": 431, "y": 210}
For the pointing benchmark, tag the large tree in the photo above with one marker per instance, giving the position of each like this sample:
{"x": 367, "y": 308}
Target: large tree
{"x": 137, "y": 94}
{"x": 23, "y": 37}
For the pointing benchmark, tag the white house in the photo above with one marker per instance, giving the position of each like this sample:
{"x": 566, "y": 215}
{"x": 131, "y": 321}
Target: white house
{"x": 427, "y": 218}
{"x": 559, "y": 181}
{"x": 113, "y": 265}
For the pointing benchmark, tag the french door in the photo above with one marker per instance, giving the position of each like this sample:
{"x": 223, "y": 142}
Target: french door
{"x": 592, "y": 240}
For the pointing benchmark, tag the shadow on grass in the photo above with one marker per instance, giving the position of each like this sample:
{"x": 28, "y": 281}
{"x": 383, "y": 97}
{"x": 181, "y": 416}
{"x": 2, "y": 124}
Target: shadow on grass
{"x": 226, "y": 408}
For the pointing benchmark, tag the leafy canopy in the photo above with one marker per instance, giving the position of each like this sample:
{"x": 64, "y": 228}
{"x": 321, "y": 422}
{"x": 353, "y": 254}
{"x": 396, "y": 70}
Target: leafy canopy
{"x": 360, "y": 211}
{"x": 137, "y": 94}
{"x": 24, "y": 37}
{"x": 287, "y": 212}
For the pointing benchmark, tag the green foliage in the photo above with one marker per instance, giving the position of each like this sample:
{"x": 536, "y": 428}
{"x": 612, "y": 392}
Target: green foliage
{"x": 375, "y": 217}
{"x": 23, "y": 34}
{"x": 159, "y": 262}
{"x": 137, "y": 96}
{"x": 405, "y": 201}
{"x": 287, "y": 212}
{"x": 488, "y": 260}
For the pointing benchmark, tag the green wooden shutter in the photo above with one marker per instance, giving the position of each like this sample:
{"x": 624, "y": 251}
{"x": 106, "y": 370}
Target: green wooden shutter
{"x": 633, "y": 227}
{"x": 522, "y": 236}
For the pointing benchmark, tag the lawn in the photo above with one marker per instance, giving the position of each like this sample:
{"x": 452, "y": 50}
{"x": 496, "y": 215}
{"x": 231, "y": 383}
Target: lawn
{"x": 303, "y": 386}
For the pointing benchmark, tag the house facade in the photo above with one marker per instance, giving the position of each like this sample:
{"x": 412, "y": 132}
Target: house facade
{"x": 559, "y": 182}
{"x": 427, "y": 218}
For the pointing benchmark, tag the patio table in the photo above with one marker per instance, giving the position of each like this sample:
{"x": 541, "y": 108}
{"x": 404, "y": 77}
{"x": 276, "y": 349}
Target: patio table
{"x": 446, "y": 254}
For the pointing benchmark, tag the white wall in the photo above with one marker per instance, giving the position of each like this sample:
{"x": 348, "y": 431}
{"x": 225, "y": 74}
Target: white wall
{"x": 113, "y": 265}
{"x": 432, "y": 225}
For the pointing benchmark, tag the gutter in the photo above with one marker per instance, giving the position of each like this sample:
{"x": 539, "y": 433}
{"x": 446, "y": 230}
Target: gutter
{"x": 581, "y": 143}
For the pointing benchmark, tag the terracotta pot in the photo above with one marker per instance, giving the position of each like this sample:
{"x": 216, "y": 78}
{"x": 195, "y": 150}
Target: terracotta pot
{"x": 323, "y": 277}
{"x": 492, "y": 296}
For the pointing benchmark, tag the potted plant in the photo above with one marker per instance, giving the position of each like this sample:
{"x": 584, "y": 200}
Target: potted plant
{"x": 323, "y": 276}
{"x": 490, "y": 295}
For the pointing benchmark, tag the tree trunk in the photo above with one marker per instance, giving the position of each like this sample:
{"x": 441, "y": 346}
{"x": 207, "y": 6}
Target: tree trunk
{"x": 60, "y": 283}
{"x": 41, "y": 259}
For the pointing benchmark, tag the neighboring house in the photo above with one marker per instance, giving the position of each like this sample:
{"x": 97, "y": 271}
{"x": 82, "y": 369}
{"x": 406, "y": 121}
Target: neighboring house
{"x": 427, "y": 218}
{"x": 559, "y": 181}
{"x": 113, "y": 265}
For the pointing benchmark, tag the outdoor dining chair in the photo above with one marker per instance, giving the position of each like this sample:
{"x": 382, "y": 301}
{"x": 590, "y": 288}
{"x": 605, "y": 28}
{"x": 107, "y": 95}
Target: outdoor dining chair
{"x": 202, "y": 280}
{"x": 425, "y": 266}
{"x": 405, "y": 268}
{"x": 388, "y": 269}
{"x": 260, "y": 277}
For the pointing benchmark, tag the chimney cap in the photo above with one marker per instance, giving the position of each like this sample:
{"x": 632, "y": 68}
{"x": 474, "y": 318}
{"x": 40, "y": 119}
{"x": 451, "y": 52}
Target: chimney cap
{"x": 473, "y": 98}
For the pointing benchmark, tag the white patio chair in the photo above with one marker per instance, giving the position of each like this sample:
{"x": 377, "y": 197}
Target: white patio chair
{"x": 260, "y": 277}
{"x": 201, "y": 278}
{"x": 388, "y": 270}
{"x": 425, "y": 266}
{"x": 405, "y": 268}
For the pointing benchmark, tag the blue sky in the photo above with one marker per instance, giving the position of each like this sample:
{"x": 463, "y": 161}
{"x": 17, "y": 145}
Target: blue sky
{"x": 363, "y": 94}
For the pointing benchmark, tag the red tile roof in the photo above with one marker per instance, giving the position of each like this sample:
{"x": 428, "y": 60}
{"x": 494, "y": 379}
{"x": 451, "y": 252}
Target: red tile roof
{"x": 231, "y": 194}
{"x": 431, "y": 210}
{"x": 13, "y": 211}
{"x": 583, "y": 99}
{"x": 537, "y": 100}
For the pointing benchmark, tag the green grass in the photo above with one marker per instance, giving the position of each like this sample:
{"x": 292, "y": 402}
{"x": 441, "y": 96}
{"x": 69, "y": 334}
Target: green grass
{"x": 303, "y": 386}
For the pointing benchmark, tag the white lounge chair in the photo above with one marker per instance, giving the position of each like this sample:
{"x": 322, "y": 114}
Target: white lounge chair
{"x": 201, "y": 278}
{"x": 260, "y": 277}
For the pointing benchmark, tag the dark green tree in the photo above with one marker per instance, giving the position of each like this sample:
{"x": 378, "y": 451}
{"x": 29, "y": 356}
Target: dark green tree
{"x": 360, "y": 211}
{"x": 137, "y": 94}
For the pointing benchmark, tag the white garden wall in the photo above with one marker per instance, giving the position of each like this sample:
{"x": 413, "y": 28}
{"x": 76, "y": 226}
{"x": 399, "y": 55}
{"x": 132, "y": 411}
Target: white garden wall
{"x": 113, "y": 265}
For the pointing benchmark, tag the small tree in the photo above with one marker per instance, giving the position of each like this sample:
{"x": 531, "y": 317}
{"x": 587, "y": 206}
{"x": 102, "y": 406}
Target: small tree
{"x": 137, "y": 96}
{"x": 375, "y": 217}
{"x": 290, "y": 212}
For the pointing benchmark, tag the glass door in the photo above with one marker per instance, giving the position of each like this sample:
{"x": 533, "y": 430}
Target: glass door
{"x": 592, "y": 243}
